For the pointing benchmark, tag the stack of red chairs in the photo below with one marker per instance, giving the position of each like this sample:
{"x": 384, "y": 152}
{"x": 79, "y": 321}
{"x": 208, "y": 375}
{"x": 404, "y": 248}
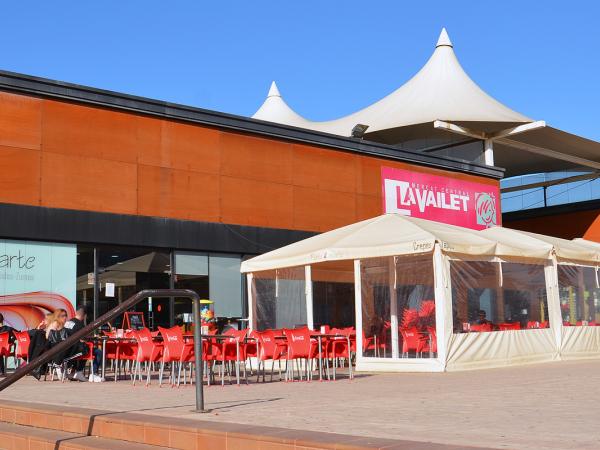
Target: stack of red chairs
{"x": 175, "y": 350}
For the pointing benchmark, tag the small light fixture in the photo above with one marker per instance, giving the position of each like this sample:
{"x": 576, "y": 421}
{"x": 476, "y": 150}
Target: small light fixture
{"x": 359, "y": 130}
{"x": 114, "y": 256}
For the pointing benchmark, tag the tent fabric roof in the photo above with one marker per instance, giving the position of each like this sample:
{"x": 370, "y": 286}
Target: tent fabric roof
{"x": 563, "y": 248}
{"x": 389, "y": 235}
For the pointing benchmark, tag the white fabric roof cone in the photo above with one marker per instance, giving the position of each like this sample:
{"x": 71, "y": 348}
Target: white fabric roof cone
{"x": 444, "y": 39}
{"x": 275, "y": 109}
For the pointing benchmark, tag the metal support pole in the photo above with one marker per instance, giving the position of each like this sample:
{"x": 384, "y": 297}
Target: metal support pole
{"x": 198, "y": 356}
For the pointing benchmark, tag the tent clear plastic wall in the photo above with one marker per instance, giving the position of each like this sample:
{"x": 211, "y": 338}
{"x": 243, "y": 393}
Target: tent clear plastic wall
{"x": 523, "y": 266}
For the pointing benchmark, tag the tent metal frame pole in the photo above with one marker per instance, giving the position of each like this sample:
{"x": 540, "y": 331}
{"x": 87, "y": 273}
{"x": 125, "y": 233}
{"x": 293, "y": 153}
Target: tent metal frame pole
{"x": 393, "y": 307}
{"x": 308, "y": 291}
{"x": 358, "y": 310}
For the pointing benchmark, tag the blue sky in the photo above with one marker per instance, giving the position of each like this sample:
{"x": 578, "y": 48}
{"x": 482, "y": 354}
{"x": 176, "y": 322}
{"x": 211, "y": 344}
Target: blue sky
{"x": 328, "y": 58}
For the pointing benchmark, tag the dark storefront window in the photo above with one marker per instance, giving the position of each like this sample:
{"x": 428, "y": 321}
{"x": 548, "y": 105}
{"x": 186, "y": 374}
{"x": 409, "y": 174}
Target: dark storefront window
{"x": 124, "y": 271}
{"x": 85, "y": 277}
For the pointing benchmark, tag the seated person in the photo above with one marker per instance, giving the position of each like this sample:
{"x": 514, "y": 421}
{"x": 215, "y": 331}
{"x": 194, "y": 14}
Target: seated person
{"x": 482, "y": 318}
{"x": 54, "y": 333}
{"x": 11, "y": 338}
{"x": 73, "y": 325}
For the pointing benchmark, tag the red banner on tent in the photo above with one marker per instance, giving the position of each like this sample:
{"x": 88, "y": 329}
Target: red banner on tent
{"x": 447, "y": 200}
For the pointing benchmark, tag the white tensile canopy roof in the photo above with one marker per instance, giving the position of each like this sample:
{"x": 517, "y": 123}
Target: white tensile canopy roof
{"x": 390, "y": 235}
{"x": 441, "y": 99}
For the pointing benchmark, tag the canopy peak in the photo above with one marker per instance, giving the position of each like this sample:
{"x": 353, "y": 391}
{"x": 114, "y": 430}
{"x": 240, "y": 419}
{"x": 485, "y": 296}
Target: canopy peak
{"x": 444, "y": 39}
{"x": 273, "y": 90}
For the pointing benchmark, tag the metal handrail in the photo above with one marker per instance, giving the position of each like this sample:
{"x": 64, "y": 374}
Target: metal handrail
{"x": 110, "y": 315}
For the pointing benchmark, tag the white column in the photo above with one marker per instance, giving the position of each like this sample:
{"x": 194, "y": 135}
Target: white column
{"x": 488, "y": 152}
{"x": 251, "y": 303}
{"x": 358, "y": 309}
{"x": 443, "y": 304}
{"x": 309, "y": 297}
{"x": 393, "y": 307}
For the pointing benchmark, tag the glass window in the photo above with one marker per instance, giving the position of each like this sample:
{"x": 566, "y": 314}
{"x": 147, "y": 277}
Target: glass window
{"x": 400, "y": 286}
{"x": 279, "y": 298}
{"x": 333, "y": 294}
{"x": 85, "y": 278}
{"x": 191, "y": 272}
{"x": 225, "y": 282}
{"x": 376, "y": 316}
{"x": 415, "y": 300}
{"x": 579, "y": 295}
{"x": 489, "y": 296}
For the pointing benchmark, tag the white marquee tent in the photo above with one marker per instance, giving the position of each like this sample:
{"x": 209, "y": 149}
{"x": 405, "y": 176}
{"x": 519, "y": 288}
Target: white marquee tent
{"x": 426, "y": 296}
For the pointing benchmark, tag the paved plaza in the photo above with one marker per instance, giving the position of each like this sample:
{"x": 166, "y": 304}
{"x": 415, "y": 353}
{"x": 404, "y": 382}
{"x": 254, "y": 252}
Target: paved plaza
{"x": 546, "y": 406}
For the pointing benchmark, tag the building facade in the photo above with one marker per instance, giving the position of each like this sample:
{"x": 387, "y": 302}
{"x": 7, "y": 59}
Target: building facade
{"x": 139, "y": 193}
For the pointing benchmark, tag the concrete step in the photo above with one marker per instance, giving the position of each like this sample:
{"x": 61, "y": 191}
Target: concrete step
{"x": 22, "y": 437}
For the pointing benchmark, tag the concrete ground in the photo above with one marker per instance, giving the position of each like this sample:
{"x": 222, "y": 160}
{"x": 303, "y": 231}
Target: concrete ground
{"x": 546, "y": 406}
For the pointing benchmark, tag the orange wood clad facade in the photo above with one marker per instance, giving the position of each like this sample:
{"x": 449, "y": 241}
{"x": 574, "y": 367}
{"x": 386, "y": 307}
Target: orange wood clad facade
{"x": 65, "y": 155}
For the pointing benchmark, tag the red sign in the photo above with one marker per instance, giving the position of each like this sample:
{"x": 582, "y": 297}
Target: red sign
{"x": 447, "y": 200}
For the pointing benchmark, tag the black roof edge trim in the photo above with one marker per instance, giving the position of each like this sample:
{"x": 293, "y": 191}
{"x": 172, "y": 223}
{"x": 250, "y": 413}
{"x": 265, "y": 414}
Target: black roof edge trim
{"x": 16, "y": 82}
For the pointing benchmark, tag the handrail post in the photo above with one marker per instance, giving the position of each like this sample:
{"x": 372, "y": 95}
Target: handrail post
{"x": 198, "y": 355}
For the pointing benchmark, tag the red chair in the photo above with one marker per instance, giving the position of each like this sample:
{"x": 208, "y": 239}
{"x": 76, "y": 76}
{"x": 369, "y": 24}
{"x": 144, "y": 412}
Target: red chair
{"x": 175, "y": 350}
{"x": 339, "y": 347}
{"x": 544, "y": 324}
{"x": 23, "y": 341}
{"x": 300, "y": 347}
{"x": 5, "y": 347}
{"x": 268, "y": 349}
{"x": 148, "y": 352}
{"x": 412, "y": 340}
{"x": 506, "y": 326}
{"x": 232, "y": 350}
{"x": 566, "y": 323}
{"x": 482, "y": 328}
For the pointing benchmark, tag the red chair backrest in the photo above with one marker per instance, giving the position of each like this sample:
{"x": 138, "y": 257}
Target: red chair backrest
{"x": 23, "y": 340}
{"x": 4, "y": 344}
{"x": 410, "y": 339}
{"x": 484, "y": 327}
{"x": 173, "y": 342}
{"x": 509, "y": 326}
{"x": 267, "y": 344}
{"x": 143, "y": 338}
{"x": 298, "y": 342}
